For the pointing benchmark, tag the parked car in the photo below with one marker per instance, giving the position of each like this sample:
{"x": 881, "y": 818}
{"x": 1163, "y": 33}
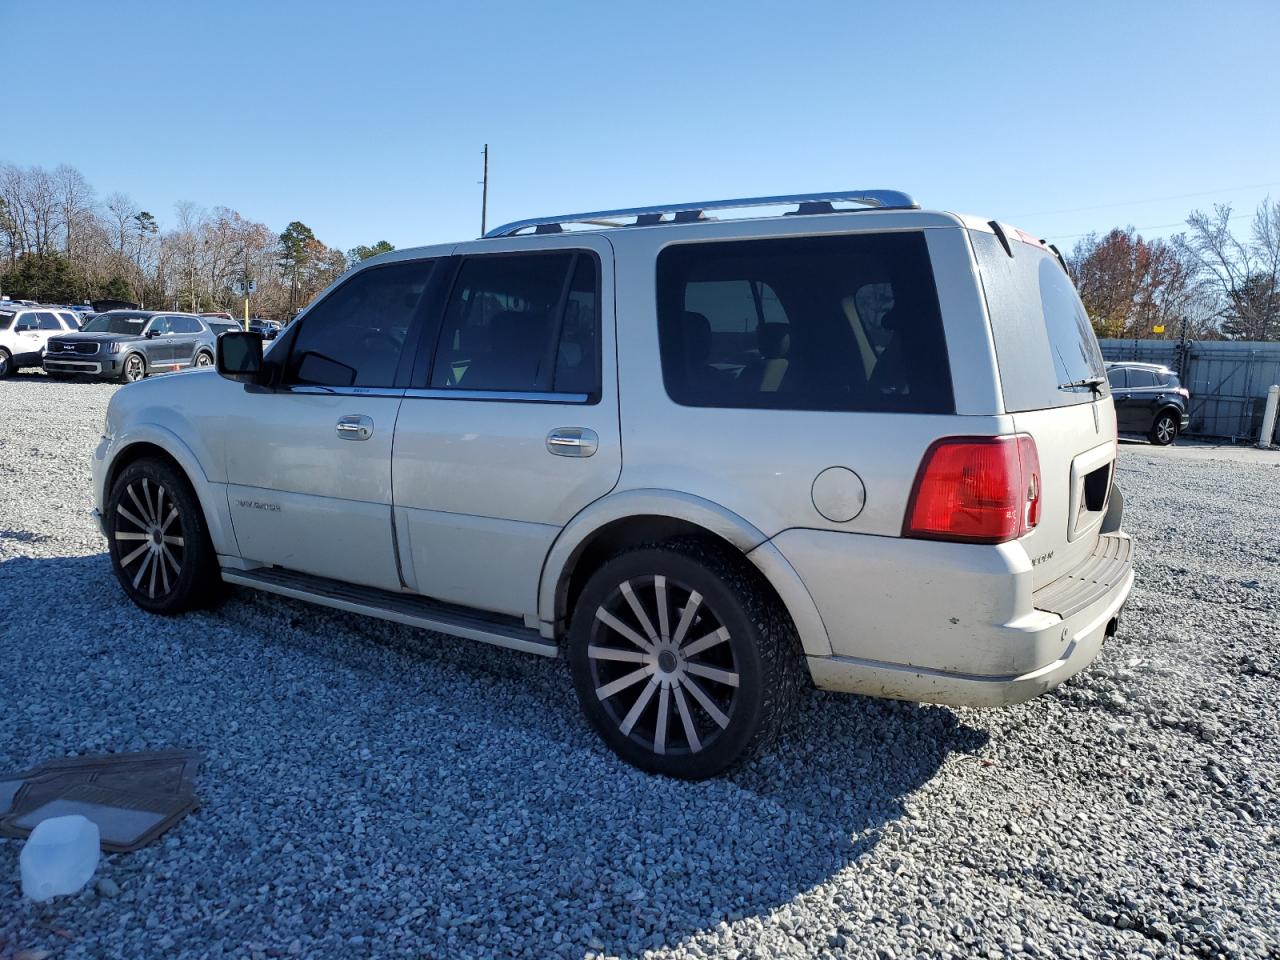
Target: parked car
{"x": 127, "y": 345}
{"x": 219, "y": 326}
{"x": 871, "y": 447}
{"x": 267, "y": 329}
{"x": 24, "y": 332}
{"x": 220, "y": 315}
{"x": 1149, "y": 399}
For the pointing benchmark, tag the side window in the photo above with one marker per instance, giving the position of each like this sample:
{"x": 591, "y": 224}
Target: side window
{"x": 1141, "y": 378}
{"x": 805, "y": 323}
{"x": 69, "y": 321}
{"x": 522, "y": 323}
{"x": 355, "y": 335}
{"x": 161, "y": 326}
{"x": 49, "y": 322}
{"x": 184, "y": 325}
{"x": 1116, "y": 377}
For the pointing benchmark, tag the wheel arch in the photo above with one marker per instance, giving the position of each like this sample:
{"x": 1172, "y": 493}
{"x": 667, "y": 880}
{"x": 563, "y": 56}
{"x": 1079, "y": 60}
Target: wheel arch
{"x": 150, "y": 440}
{"x": 623, "y": 520}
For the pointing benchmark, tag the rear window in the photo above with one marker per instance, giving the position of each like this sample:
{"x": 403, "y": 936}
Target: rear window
{"x": 1042, "y": 334}
{"x": 804, "y": 323}
{"x": 6, "y": 320}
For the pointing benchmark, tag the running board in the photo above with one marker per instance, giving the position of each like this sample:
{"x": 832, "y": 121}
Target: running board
{"x": 408, "y": 609}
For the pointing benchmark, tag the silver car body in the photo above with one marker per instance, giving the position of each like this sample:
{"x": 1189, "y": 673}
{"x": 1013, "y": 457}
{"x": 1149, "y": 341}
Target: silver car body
{"x": 469, "y": 508}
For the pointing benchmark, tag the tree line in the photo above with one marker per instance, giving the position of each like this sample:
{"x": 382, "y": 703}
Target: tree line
{"x": 62, "y": 243}
{"x": 1207, "y": 282}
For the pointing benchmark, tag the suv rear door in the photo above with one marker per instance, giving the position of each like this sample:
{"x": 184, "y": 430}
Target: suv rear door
{"x": 1044, "y": 344}
{"x": 510, "y": 426}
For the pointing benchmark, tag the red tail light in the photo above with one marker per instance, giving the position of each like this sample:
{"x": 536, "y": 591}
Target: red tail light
{"x": 976, "y": 490}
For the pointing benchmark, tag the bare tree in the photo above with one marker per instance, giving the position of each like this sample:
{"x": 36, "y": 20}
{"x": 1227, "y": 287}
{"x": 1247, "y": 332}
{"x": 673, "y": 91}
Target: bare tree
{"x": 74, "y": 197}
{"x": 1245, "y": 273}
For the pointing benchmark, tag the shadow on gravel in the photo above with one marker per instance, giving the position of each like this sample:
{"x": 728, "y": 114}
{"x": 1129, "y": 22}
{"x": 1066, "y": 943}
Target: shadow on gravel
{"x": 447, "y": 796}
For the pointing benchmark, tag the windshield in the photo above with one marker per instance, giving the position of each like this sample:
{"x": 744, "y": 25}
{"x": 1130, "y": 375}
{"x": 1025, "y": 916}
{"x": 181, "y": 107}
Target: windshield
{"x": 116, "y": 323}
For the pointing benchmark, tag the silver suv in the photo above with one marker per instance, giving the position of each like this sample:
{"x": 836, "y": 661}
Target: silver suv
{"x": 710, "y": 459}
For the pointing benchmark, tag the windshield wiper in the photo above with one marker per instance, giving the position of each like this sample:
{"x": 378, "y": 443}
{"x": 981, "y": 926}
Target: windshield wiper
{"x": 1093, "y": 383}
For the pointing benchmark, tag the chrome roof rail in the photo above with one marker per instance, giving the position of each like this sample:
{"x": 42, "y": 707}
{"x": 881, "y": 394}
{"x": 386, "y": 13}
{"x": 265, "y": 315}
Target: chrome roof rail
{"x": 806, "y": 203}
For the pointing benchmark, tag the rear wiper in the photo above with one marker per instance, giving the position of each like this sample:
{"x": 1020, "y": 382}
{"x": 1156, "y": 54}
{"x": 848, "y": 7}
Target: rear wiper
{"x": 1093, "y": 383}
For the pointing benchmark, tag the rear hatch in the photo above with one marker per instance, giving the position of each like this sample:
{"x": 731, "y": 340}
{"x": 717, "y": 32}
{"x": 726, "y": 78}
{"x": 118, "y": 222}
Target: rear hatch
{"x": 1055, "y": 386}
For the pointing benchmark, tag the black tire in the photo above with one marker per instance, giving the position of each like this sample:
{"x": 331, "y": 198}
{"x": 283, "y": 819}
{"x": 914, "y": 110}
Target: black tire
{"x": 133, "y": 369}
{"x": 204, "y": 359}
{"x": 142, "y": 500}
{"x": 6, "y": 363}
{"x": 761, "y": 652}
{"x": 1164, "y": 429}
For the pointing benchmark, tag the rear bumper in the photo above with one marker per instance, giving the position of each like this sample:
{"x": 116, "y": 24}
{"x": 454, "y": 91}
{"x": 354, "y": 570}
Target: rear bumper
{"x": 954, "y": 623}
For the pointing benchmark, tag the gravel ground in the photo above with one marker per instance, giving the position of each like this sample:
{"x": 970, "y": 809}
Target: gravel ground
{"x": 376, "y": 791}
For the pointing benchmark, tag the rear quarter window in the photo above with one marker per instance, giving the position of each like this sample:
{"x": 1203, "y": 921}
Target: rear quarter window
{"x": 1042, "y": 335}
{"x": 804, "y": 323}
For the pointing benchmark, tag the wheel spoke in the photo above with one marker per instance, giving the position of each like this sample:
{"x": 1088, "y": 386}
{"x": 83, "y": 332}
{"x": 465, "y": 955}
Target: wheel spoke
{"x": 664, "y": 716}
{"x": 710, "y": 640}
{"x": 615, "y": 653}
{"x": 177, "y": 567}
{"x": 609, "y": 689}
{"x": 144, "y": 511}
{"x": 609, "y": 620}
{"x": 173, "y": 515}
{"x": 686, "y": 617}
{"x": 664, "y": 618}
{"x": 125, "y": 561}
{"x": 142, "y": 568}
{"x": 151, "y": 588}
{"x": 686, "y": 721}
{"x": 120, "y": 509}
{"x": 152, "y": 519}
{"x": 164, "y": 572}
{"x": 727, "y": 677}
{"x": 638, "y": 609}
{"x": 121, "y": 535}
{"x": 176, "y": 541}
{"x": 704, "y": 701}
{"x": 637, "y": 708}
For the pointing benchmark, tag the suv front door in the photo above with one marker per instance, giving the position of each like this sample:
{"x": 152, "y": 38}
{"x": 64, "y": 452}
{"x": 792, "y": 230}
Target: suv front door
{"x": 510, "y": 426}
{"x": 309, "y": 461}
{"x": 158, "y": 345}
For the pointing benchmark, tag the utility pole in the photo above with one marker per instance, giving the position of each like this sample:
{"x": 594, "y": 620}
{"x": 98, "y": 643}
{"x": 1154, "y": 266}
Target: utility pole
{"x": 484, "y": 195}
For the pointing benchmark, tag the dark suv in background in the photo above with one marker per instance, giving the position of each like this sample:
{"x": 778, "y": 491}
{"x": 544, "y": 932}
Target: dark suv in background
{"x": 126, "y": 345}
{"x": 1149, "y": 399}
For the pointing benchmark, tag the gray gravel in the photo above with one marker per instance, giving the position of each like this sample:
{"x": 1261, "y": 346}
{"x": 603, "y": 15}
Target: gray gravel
{"x": 375, "y": 791}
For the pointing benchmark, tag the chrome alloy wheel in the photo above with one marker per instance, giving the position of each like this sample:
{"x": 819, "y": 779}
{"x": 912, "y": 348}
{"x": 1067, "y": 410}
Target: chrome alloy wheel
{"x": 658, "y": 649}
{"x": 1165, "y": 429}
{"x": 133, "y": 368}
{"x": 203, "y": 360}
{"x": 159, "y": 554}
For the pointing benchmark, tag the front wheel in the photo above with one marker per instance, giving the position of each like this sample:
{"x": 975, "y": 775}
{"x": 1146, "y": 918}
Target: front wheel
{"x": 158, "y": 539}
{"x": 134, "y": 368}
{"x": 6, "y": 363}
{"x": 682, "y": 660}
{"x": 1165, "y": 429}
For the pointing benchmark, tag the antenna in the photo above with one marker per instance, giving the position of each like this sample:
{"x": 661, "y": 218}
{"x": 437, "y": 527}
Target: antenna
{"x": 484, "y": 194}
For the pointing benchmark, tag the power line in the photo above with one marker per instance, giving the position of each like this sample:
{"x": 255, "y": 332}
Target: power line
{"x": 1151, "y": 226}
{"x": 1130, "y": 203}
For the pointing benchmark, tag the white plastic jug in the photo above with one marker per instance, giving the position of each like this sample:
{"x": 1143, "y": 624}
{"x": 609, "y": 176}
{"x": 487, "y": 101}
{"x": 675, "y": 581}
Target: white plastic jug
{"x": 59, "y": 857}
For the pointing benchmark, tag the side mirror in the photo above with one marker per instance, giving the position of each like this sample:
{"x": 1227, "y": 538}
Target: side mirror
{"x": 240, "y": 356}
{"x": 152, "y": 334}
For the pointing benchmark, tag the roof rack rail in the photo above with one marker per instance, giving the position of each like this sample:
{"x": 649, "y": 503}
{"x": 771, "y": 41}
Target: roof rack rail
{"x": 806, "y": 203}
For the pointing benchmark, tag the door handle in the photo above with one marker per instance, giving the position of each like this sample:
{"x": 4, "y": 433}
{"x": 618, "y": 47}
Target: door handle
{"x": 572, "y": 442}
{"x": 355, "y": 427}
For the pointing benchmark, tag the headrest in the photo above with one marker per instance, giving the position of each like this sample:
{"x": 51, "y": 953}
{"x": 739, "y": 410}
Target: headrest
{"x": 697, "y": 337}
{"x": 774, "y": 340}
{"x": 889, "y": 319}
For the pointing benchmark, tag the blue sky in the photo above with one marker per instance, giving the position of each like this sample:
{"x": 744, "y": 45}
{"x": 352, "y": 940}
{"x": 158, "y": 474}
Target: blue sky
{"x": 365, "y": 121}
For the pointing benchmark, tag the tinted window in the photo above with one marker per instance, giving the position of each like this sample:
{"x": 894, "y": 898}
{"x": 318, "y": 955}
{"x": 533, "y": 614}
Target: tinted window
{"x": 69, "y": 321}
{"x": 1116, "y": 377}
{"x": 806, "y": 323}
{"x": 354, "y": 336}
{"x": 1141, "y": 378}
{"x": 117, "y": 323}
{"x": 48, "y": 322}
{"x": 1170, "y": 380}
{"x": 1042, "y": 334}
{"x": 184, "y": 325}
{"x": 6, "y": 320}
{"x": 161, "y": 326}
{"x": 522, "y": 323}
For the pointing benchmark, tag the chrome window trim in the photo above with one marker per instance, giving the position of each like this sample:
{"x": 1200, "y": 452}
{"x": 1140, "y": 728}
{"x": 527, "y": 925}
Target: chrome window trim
{"x": 309, "y": 389}
{"x": 510, "y": 396}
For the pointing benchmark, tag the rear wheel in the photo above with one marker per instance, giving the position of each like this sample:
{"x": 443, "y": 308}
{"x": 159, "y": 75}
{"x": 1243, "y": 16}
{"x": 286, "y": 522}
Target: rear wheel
{"x": 682, "y": 660}
{"x": 135, "y": 368}
{"x": 6, "y": 363}
{"x": 1165, "y": 429}
{"x": 159, "y": 543}
{"x": 204, "y": 359}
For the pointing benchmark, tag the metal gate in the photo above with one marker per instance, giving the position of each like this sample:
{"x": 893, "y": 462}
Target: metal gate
{"x": 1228, "y": 379}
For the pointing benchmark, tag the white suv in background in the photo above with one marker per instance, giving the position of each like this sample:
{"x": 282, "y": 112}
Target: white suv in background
{"x": 709, "y": 459}
{"x": 25, "y": 331}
